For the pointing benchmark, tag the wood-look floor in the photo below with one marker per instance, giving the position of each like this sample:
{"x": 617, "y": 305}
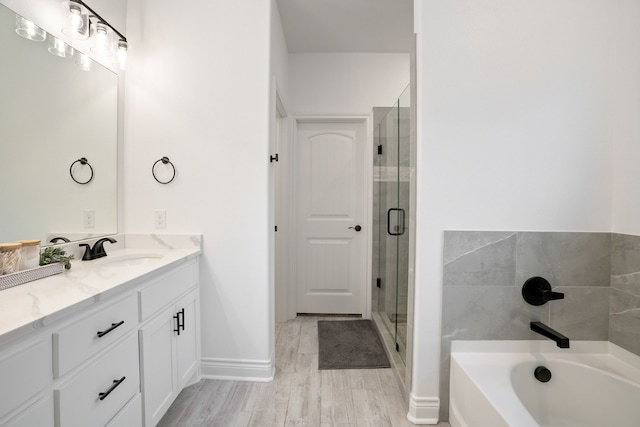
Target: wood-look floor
{"x": 300, "y": 394}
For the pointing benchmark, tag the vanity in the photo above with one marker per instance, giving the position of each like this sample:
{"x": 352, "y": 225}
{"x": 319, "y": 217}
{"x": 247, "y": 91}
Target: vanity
{"x": 110, "y": 342}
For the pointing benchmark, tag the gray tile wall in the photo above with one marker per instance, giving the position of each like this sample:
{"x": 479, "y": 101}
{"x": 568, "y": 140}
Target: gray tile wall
{"x": 624, "y": 320}
{"x": 483, "y": 276}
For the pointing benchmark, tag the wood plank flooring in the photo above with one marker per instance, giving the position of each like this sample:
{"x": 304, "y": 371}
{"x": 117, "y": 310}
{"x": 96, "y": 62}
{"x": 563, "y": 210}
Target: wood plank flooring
{"x": 300, "y": 395}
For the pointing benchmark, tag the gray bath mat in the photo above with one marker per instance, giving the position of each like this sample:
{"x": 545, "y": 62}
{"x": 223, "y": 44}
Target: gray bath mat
{"x": 350, "y": 344}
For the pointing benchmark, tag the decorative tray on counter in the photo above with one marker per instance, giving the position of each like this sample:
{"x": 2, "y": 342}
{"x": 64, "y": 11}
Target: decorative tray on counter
{"x": 14, "y": 279}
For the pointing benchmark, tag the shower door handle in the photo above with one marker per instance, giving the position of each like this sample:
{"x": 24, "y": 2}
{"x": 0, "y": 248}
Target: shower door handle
{"x": 398, "y": 230}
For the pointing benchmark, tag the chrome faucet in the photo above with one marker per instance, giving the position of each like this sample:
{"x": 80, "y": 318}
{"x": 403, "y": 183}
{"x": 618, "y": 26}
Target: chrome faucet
{"x": 97, "y": 251}
{"x": 546, "y": 331}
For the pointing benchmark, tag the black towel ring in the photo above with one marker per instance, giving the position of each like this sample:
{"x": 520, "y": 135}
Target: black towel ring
{"x": 82, "y": 161}
{"x": 165, "y": 160}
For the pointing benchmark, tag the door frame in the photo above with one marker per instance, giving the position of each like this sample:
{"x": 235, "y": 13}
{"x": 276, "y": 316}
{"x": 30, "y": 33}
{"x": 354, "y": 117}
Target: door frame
{"x": 368, "y": 220}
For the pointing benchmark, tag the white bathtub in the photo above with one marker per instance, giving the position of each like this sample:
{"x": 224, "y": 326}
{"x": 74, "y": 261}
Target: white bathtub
{"x": 593, "y": 384}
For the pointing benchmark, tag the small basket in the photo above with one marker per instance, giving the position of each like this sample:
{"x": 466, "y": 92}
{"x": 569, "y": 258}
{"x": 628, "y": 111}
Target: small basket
{"x": 14, "y": 279}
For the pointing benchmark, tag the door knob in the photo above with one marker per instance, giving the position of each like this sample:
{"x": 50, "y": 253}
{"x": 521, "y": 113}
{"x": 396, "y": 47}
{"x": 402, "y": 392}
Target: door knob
{"x": 357, "y": 228}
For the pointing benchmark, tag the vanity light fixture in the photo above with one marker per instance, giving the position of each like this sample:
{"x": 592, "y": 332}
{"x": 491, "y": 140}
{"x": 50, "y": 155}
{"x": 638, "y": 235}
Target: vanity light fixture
{"x": 29, "y": 30}
{"x": 104, "y": 43}
{"x": 79, "y": 24}
{"x": 121, "y": 55}
{"x": 102, "y": 40}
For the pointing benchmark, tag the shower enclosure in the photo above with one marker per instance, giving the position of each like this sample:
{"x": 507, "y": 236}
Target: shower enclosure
{"x": 391, "y": 191}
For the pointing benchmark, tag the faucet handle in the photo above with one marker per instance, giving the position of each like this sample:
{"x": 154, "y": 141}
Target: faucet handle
{"x": 537, "y": 291}
{"x": 87, "y": 252}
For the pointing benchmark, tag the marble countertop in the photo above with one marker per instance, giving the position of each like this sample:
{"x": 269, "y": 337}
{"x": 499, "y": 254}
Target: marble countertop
{"x": 36, "y": 304}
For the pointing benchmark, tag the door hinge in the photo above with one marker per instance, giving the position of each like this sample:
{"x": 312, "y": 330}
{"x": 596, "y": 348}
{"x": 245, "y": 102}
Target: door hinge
{"x": 378, "y": 282}
{"x": 379, "y": 149}
{"x": 274, "y": 159}
{"x": 276, "y": 228}
{"x": 398, "y": 347}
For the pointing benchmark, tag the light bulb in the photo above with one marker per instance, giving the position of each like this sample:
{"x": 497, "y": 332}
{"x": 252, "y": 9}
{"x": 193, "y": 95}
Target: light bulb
{"x": 29, "y": 30}
{"x": 59, "y": 48}
{"x": 102, "y": 45}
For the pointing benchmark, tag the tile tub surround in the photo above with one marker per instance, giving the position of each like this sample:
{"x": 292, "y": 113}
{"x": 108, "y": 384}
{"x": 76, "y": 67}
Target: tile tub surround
{"x": 624, "y": 320}
{"x": 483, "y": 276}
{"x": 31, "y": 306}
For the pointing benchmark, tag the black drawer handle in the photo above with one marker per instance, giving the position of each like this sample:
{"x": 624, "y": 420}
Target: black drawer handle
{"x": 179, "y": 324}
{"x": 113, "y": 326}
{"x": 115, "y": 384}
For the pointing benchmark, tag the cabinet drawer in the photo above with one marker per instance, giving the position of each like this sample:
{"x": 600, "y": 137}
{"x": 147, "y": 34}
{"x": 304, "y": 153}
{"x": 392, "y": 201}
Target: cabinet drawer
{"x": 40, "y": 414}
{"x": 130, "y": 416}
{"x": 88, "y": 336}
{"x": 166, "y": 289}
{"x": 24, "y": 373}
{"x": 78, "y": 403}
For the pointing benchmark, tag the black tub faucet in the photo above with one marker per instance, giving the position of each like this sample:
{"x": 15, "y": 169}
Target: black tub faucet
{"x": 97, "y": 251}
{"x": 546, "y": 331}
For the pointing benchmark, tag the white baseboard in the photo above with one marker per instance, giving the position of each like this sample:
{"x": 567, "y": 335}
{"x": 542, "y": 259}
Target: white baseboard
{"x": 423, "y": 410}
{"x": 238, "y": 370}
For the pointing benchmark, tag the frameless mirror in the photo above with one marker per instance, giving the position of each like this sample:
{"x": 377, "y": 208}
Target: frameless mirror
{"x": 53, "y": 113}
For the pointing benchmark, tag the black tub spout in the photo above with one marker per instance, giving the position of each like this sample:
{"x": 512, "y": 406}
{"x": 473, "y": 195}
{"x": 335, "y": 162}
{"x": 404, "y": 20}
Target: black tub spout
{"x": 544, "y": 330}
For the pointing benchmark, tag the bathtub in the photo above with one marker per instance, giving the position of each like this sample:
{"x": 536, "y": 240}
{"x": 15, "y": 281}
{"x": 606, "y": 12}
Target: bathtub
{"x": 593, "y": 384}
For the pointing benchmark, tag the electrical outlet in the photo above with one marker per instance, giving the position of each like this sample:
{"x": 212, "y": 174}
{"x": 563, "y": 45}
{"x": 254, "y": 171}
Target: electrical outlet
{"x": 89, "y": 219}
{"x": 160, "y": 219}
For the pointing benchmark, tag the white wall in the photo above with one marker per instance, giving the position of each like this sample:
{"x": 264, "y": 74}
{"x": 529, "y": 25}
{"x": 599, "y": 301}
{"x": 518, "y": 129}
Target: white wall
{"x": 515, "y": 132}
{"x": 345, "y": 83}
{"x": 626, "y": 197}
{"x": 198, "y": 91}
{"x": 279, "y": 54}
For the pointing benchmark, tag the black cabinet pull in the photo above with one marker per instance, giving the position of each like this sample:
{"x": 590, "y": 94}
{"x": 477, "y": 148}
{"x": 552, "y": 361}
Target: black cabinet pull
{"x": 177, "y": 317}
{"x": 179, "y": 323}
{"x": 113, "y": 326}
{"x": 115, "y": 384}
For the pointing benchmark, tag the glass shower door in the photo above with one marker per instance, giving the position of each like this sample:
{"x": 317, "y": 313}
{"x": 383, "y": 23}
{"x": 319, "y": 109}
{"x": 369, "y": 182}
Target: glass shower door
{"x": 391, "y": 207}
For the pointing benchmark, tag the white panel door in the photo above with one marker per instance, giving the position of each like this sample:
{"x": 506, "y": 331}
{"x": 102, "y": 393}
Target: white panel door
{"x": 330, "y": 198}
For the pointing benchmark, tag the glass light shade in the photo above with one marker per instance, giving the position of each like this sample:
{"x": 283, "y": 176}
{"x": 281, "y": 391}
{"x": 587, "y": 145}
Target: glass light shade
{"x": 78, "y": 22}
{"x": 121, "y": 55}
{"x": 84, "y": 62}
{"x": 102, "y": 43}
{"x": 29, "y": 30}
{"x": 59, "y": 48}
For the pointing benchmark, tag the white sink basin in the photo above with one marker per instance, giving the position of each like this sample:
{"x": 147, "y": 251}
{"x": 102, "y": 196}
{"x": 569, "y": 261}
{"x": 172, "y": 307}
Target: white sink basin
{"x": 129, "y": 260}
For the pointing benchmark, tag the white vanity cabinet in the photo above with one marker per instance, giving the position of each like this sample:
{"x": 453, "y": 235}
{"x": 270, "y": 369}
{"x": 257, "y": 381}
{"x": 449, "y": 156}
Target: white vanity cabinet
{"x": 169, "y": 345}
{"x": 117, "y": 360}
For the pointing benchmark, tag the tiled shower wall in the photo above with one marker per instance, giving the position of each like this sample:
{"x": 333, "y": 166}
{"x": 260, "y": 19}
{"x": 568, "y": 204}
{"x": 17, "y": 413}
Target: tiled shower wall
{"x": 484, "y": 271}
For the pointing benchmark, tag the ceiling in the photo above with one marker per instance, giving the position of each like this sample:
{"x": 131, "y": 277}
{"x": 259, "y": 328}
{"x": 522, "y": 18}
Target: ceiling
{"x": 315, "y": 26}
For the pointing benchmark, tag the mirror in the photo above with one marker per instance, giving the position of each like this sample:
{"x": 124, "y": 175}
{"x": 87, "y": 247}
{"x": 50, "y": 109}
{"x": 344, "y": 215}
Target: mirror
{"x": 53, "y": 113}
